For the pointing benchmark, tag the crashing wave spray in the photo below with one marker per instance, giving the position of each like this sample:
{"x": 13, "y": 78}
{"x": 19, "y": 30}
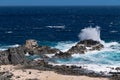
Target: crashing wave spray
{"x": 90, "y": 33}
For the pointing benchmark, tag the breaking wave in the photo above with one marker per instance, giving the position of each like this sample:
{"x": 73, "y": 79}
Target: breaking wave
{"x": 5, "y": 47}
{"x": 64, "y": 46}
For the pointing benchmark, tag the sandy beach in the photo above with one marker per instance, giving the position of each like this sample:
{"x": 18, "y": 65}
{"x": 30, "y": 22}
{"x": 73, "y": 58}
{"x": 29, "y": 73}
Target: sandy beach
{"x": 31, "y": 74}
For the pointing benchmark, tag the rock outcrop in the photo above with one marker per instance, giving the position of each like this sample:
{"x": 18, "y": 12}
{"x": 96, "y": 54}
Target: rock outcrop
{"x": 13, "y": 56}
{"x": 84, "y": 46}
{"x": 4, "y": 57}
{"x": 81, "y": 47}
{"x": 17, "y": 55}
{"x": 33, "y": 48}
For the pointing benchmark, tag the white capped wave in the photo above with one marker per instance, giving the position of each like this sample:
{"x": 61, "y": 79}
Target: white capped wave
{"x": 59, "y": 27}
{"x": 9, "y": 32}
{"x": 64, "y": 46}
{"x": 109, "y": 44}
{"x": 113, "y": 31}
{"x": 2, "y": 48}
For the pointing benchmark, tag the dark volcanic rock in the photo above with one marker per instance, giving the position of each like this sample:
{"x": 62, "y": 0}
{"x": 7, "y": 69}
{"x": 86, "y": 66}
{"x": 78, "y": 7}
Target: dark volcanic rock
{"x": 62, "y": 55}
{"x": 81, "y": 47}
{"x": 89, "y": 42}
{"x": 85, "y": 45}
{"x": 74, "y": 70}
{"x": 77, "y": 49}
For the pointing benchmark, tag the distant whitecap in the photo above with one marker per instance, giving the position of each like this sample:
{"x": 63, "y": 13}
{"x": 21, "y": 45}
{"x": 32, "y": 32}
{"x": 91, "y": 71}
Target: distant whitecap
{"x": 59, "y": 27}
{"x": 9, "y": 32}
{"x": 113, "y": 31}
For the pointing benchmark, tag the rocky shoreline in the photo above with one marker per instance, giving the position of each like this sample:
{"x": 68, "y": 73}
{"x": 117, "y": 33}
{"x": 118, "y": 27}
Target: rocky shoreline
{"x": 18, "y": 55}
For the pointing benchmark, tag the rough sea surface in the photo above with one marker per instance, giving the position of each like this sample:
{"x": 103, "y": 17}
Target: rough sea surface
{"x": 59, "y": 27}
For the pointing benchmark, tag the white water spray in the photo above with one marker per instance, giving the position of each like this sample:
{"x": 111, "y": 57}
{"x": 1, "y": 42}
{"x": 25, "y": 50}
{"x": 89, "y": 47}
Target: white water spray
{"x": 90, "y": 33}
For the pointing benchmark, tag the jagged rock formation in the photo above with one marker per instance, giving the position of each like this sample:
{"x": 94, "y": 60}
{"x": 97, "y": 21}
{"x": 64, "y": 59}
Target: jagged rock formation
{"x": 13, "y": 56}
{"x": 33, "y": 48}
{"x": 84, "y": 46}
{"x": 16, "y": 55}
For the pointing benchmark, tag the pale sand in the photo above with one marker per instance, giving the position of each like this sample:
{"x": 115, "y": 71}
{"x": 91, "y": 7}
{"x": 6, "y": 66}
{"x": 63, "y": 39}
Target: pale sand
{"x": 24, "y": 74}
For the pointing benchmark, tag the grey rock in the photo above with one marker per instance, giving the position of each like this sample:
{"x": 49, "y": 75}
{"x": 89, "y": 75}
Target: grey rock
{"x": 4, "y": 58}
{"x": 17, "y": 55}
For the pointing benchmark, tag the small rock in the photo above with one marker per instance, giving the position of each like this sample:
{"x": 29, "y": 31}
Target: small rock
{"x": 29, "y": 72}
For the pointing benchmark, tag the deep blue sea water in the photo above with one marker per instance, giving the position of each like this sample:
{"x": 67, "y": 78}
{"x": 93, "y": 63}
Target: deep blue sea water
{"x": 59, "y": 27}
{"x": 20, "y": 23}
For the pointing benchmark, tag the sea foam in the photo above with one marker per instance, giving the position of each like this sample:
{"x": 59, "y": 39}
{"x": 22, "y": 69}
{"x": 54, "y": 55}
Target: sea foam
{"x": 5, "y": 47}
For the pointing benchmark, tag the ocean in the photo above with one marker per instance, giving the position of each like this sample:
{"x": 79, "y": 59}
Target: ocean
{"x": 59, "y": 27}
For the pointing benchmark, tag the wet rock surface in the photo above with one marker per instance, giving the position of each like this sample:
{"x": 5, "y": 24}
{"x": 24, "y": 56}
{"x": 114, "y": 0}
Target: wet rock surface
{"x": 81, "y": 47}
{"x": 84, "y": 46}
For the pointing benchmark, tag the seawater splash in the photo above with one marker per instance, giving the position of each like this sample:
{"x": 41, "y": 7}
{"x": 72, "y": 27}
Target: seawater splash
{"x": 65, "y": 45}
{"x": 90, "y": 33}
